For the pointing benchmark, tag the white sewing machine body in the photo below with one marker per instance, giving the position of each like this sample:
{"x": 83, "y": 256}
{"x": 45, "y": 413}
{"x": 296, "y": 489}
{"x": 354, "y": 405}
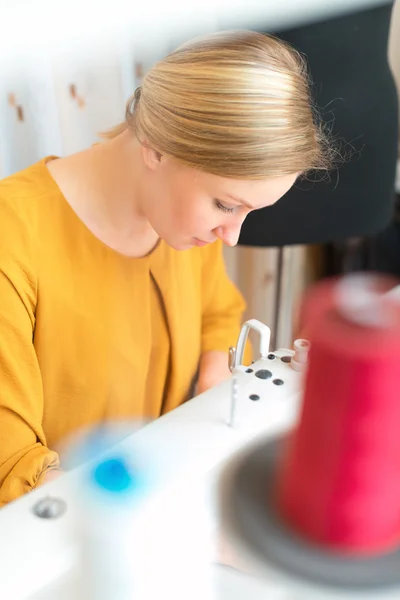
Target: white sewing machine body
{"x": 188, "y": 449}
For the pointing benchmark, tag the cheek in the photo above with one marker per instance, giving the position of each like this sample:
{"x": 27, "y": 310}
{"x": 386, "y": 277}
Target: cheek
{"x": 204, "y": 219}
{"x": 182, "y": 212}
{"x": 193, "y": 214}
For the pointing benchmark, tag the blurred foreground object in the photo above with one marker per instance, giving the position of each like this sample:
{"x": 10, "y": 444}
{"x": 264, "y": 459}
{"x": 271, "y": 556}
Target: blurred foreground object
{"x": 323, "y": 500}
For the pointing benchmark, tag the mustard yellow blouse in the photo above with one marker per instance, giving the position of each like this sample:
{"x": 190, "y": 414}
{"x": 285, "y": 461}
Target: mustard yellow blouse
{"x": 88, "y": 335}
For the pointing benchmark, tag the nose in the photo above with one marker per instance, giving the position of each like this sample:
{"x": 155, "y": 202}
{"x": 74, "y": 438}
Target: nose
{"x": 229, "y": 235}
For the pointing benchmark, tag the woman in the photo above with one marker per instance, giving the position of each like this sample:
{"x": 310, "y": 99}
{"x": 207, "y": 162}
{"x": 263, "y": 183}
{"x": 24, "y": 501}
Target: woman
{"x": 113, "y": 289}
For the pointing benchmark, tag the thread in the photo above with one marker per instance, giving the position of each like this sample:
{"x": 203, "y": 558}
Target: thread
{"x": 338, "y": 482}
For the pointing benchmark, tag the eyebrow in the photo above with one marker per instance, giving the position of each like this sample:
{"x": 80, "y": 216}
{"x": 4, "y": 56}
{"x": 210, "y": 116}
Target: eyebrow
{"x": 240, "y": 200}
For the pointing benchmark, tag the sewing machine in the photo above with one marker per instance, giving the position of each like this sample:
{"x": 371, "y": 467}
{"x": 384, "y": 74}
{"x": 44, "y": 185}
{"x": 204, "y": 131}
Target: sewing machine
{"x": 172, "y": 536}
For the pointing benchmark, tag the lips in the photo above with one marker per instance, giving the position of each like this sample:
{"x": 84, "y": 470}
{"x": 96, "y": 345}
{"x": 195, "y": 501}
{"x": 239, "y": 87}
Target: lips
{"x": 200, "y": 243}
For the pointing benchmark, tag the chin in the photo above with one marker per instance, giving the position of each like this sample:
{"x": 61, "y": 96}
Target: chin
{"x": 179, "y": 246}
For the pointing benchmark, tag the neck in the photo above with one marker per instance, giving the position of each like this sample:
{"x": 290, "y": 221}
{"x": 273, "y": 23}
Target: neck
{"x": 103, "y": 186}
{"x": 114, "y": 174}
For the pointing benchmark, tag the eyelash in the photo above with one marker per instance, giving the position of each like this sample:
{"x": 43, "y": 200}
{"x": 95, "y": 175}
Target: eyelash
{"x": 224, "y": 209}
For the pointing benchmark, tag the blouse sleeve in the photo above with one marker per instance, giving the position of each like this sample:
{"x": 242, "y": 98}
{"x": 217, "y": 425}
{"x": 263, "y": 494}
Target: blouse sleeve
{"x": 24, "y": 457}
{"x": 223, "y": 305}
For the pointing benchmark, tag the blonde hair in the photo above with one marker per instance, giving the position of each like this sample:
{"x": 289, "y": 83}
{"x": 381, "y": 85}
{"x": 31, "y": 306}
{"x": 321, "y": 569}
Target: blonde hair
{"x": 234, "y": 104}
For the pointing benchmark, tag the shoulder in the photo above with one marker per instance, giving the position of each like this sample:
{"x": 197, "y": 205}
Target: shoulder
{"x": 20, "y": 197}
{"x": 28, "y": 182}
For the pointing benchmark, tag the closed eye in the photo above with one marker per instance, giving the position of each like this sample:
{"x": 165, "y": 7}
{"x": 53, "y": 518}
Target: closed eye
{"x": 225, "y": 209}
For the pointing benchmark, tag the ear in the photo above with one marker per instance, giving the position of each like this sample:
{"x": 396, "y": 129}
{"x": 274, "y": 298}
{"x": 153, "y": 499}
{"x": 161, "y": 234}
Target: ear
{"x": 152, "y": 158}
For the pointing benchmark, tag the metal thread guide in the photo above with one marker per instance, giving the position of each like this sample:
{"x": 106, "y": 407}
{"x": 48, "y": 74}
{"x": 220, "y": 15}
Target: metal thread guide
{"x": 236, "y": 359}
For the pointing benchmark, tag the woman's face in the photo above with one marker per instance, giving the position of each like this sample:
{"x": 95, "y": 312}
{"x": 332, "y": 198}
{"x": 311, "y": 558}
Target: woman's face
{"x": 188, "y": 207}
